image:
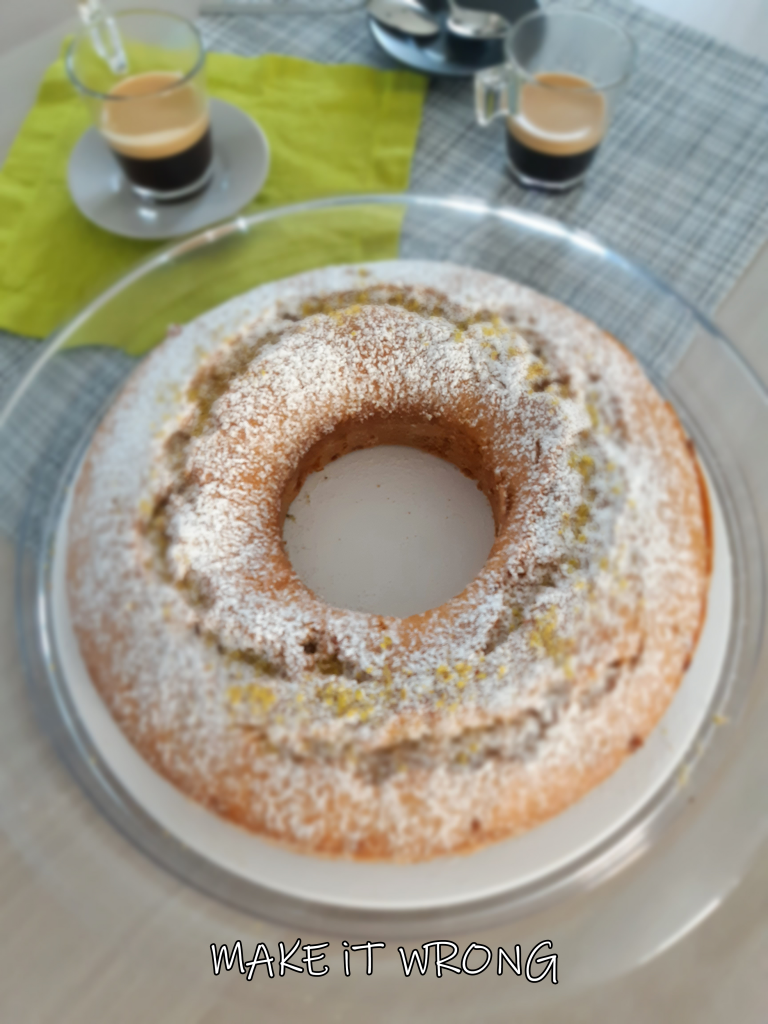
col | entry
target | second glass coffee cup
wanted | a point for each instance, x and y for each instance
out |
(557, 90)
(153, 113)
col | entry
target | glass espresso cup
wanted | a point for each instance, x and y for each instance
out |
(153, 113)
(557, 91)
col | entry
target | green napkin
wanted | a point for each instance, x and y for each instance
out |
(332, 129)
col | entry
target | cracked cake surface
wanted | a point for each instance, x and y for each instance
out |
(345, 733)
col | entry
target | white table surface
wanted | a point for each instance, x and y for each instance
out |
(92, 932)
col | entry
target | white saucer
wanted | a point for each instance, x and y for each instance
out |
(102, 194)
(592, 824)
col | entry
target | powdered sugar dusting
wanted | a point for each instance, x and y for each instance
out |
(594, 587)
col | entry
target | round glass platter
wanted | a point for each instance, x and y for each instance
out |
(694, 833)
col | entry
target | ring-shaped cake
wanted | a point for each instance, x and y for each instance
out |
(345, 733)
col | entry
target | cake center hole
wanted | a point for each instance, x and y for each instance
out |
(388, 530)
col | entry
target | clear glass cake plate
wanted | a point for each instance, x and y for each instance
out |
(688, 812)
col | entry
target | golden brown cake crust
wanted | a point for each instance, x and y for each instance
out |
(343, 733)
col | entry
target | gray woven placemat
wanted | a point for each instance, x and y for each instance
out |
(682, 180)
(680, 184)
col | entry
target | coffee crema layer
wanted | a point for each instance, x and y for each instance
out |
(154, 115)
(559, 114)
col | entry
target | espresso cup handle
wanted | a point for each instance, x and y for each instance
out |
(491, 94)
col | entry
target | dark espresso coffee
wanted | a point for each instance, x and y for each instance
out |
(557, 129)
(160, 134)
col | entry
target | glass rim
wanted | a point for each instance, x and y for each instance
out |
(166, 90)
(544, 15)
